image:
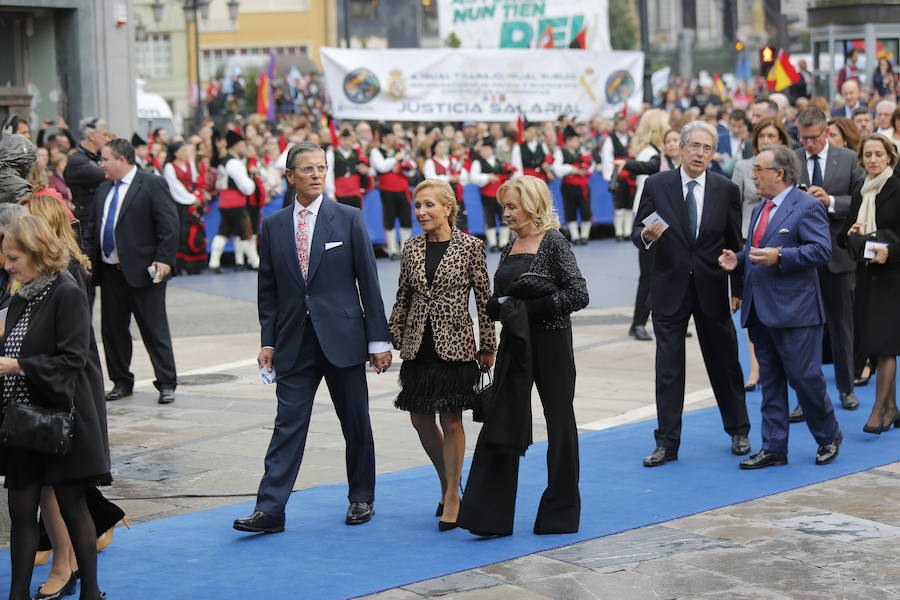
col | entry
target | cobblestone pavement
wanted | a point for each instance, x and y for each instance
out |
(837, 539)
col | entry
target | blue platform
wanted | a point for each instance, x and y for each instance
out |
(199, 555)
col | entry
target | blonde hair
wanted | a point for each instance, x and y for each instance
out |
(51, 210)
(536, 201)
(444, 193)
(31, 235)
(652, 129)
(37, 177)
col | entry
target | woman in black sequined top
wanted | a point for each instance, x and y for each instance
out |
(489, 500)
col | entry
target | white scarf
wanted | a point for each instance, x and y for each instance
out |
(871, 188)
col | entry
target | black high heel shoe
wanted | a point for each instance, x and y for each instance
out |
(440, 510)
(750, 387)
(445, 526)
(67, 590)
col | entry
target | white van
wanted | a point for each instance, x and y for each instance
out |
(154, 112)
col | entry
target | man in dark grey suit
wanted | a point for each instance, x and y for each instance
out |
(321, 315)
(832, 174)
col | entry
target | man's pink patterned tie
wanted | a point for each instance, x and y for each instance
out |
(302, 238)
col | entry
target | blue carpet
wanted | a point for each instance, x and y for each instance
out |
(199, 555)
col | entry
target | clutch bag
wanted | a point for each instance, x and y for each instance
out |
(532, 285)
(483, 397)
(37, 428)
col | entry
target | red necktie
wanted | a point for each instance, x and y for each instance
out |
(762, 224)
(302, 239)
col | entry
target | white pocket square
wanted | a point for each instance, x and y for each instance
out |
(330, 245)
(783, 231)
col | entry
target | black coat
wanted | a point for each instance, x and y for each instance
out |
(677, 257)
(82, 176)
(877, 286)
(146, 231)
(61, 366)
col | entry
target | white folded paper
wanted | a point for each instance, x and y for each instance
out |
(869, 252)
(654, 218)
(266, 375)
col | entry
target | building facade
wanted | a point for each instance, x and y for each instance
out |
(72, 58)
(233, 36)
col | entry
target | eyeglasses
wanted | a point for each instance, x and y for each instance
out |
(757, 168)
(309, 170)
(810, 138)
(697, 147)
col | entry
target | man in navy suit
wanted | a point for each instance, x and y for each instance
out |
(321, 315)
(782, 306)
(135, 227)
(703, 214)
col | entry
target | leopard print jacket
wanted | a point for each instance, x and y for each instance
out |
(554, 259)
(446, 301)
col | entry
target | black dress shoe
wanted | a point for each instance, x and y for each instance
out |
(827, 453)
(797, 415)
(259, 522)
(740, 445)
(639, 332)
(166, 394)
(661, 456)
(763, 459)
(359, 513)
(445, 526)
(119, 391)
(67, 590)
(216, 270)
(849, 401)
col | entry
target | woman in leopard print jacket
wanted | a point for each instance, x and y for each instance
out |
(431, 326)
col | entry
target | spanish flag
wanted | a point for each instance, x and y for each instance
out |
(720, 85)
(782, 74)
(265, 104)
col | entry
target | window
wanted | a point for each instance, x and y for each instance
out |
(11, 48)
(364, 9)
(154, 56)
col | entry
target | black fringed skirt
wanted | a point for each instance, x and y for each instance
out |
(430, 384)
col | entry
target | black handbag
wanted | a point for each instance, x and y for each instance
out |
(483, 398)
(37, 428)
(529, 285)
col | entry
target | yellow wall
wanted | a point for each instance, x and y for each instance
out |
(312, 28)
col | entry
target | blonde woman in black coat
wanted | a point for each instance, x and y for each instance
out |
(46, 362)
(535, 347)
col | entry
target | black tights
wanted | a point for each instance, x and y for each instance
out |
(23, 508)
(884, 411)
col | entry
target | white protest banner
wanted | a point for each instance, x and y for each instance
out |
(526, 23)
(480, 85)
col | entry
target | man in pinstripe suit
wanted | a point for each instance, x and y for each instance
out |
(782, 306)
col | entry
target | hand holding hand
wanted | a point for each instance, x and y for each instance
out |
(735, 304)
(881, 255)
(619, 163)
(485, 361)
(764, 256)
(265, 358)
(728, 260)
(653, 233)
(381, 361)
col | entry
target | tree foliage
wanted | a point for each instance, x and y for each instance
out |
(624, 32)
